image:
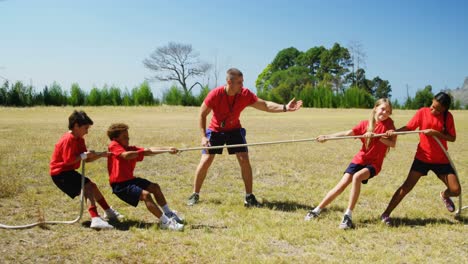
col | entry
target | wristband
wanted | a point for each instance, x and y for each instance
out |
(284, 108)
(83, 156)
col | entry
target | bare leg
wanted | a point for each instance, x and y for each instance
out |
(246, 170)
(337, 190)
(400, 193)
(202, 170)
(452, 183)
(358, 177)
(150, 204)
(90, 193)
(156, 191)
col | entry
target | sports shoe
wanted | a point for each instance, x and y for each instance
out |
(251, 201)
(448, 203)
(98, 223)
(112, 214)
(193, 199)
(173, 215)
(311, 215)
(386, 220)
(346, 223)
(172, 224)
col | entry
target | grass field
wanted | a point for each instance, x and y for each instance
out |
(289, 178)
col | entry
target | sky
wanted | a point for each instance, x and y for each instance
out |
(93, 43)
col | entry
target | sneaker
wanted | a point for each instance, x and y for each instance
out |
(112, 214)
(448, 203)
(193, 199)
(311, 215)
(98, 223)
(251, 201)
(173, 215)
(346, 223)
(386, 220)
(172, 225)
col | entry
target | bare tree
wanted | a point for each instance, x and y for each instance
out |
(176, 62)
(358, 55)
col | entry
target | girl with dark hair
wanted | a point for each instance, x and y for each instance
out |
(433, 121)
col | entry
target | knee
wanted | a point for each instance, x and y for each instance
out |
(455, 191)
(154, 188)
(145, 195)
(90, 186)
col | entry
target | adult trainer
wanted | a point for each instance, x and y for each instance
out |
(227, 102)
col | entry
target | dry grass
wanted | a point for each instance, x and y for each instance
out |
(289, 178)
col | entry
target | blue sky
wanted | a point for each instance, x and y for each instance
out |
(93, 43)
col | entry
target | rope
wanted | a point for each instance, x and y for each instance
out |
(57, 222)
(286, 141)
(460, 208)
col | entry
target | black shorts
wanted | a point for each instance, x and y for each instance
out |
(353, 168)
(438, 169)
(130, 191)
(232, 137)
(69, 182)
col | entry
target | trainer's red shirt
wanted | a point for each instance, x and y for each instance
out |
(66, 150)
(428, 149)
(377, 150)
(226, 108)
(120, 169)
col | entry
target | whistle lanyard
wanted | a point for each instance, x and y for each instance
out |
(231, 107)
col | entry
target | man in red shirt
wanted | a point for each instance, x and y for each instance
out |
(69, 151)
(227, 102)
(130, 189)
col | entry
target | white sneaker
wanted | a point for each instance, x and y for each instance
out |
(173, 215)
(112, 214)
(172, 224)
(98, 223)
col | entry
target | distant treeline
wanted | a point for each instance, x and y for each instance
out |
(19, 95)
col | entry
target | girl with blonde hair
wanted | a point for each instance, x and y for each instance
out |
(366, 164)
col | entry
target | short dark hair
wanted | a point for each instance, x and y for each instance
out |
(233, 73)
(444, 99)
(116, 129)
(80, 118)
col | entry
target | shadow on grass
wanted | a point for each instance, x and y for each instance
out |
(125, 225)
(418, 222)
(288, 206)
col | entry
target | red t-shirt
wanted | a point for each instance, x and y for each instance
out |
(120, 169)
(428, 149)
(377, 150)
(227, 109)
(66, 150)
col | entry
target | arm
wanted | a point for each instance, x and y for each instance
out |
(440, 135)
(133, 154)
(93, 155)
(272, 107)
(389, 141)
(204, 112)
(323, 138)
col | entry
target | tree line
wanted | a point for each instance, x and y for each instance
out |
(320, 77)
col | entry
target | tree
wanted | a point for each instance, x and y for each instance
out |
(423, 97)
(176, 62)
(56, 95)
(77, 96)
(357, 55)
(142, 95)
(4, 93)
(94, 97)
(285, 58)
(382, 88)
